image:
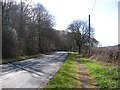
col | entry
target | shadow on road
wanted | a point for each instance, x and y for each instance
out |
(35, 65)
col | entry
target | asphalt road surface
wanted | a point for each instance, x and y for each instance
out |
(31, 73)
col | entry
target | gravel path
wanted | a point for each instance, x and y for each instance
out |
(31, 73)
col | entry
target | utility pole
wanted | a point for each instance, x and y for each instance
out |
(89, 36)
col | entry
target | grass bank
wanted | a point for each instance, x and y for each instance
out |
(105, 75)
(67, 76)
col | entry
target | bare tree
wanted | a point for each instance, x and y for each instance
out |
(44, 22)
(80, 32)
(24, 27)
(9, 35)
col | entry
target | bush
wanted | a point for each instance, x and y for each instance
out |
(106, 54)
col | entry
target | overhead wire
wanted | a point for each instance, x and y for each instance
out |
(93, 7)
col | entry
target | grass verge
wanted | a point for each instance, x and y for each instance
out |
(67, 76)
(105, 75)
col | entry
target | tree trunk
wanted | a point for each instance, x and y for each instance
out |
(79, 49)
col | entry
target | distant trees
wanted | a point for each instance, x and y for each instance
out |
(80, 33)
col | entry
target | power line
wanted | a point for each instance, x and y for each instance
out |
(93, 6)
(89, 25)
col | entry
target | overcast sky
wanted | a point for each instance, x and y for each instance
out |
(104, 18)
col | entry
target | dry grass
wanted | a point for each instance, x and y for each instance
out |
(106, 54)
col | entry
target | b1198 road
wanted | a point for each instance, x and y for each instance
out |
(31, 73)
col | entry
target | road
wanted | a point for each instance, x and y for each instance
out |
(31, 73)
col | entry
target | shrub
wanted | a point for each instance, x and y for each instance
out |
(106, 54)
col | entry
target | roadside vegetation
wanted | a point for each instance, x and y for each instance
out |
(106, 54)
(67, 76)
(106, 75)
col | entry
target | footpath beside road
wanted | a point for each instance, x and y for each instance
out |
(31, 73)
(86, 79)
(74, 74)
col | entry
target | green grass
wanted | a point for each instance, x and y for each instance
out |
(67, 76)
(105, 75)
